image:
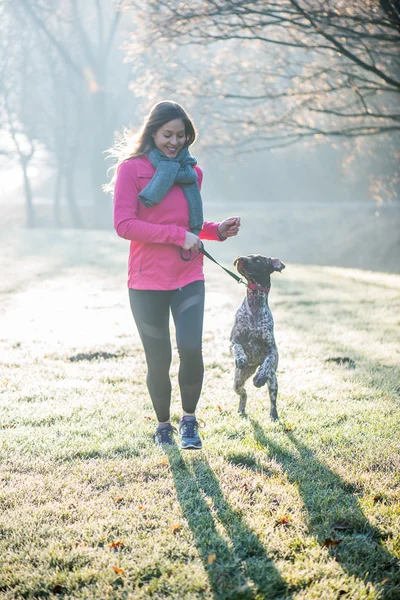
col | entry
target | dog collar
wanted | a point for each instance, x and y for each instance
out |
(259, 288)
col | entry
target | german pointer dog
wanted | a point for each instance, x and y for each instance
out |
(252, 339)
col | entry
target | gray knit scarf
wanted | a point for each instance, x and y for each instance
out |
(169, 171)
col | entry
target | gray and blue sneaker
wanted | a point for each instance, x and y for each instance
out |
(164, 434)
(189, 433)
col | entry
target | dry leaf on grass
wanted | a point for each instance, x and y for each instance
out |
(58, 589)
(118, 570)
(285, 520)
(140, 507)
(211, 558)
(118, 500)
(329, 543)
(175, 527)
(163, 463)
(117, 545)
(377, 498)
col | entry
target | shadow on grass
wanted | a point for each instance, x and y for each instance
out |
(330, 503)
(237, 567)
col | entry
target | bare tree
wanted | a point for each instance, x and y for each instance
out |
(78, 96)
(14, 102)
(291, 69)
(92, 31)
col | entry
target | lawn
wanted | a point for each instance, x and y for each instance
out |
(306, 508)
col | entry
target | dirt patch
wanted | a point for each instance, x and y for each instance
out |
(96, 356)
(342, 360)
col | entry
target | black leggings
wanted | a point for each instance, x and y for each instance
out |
(150, 309)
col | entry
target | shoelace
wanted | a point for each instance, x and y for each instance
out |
(188, 427)
(166, 433)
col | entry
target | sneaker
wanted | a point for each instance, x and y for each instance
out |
(189, 433)
(164, 434)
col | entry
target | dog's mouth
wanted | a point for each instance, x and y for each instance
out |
(240, 264)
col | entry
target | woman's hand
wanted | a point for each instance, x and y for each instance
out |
(229, 227)
(192, 241)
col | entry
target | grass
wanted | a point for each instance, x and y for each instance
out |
(308, 508)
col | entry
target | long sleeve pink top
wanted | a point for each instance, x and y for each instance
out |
(157, 233)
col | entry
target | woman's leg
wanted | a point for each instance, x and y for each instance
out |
(150, 309)
(187, 307)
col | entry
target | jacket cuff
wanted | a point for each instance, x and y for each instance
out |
(209, 231)
(179, 238)
(221, 237)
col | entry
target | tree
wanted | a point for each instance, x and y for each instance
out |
(14, 107)
(77, 93)
(294, 70)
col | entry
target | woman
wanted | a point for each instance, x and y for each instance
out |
(158, 207)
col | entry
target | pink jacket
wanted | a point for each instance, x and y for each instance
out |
(157, 233)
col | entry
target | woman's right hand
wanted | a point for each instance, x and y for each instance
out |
(192, 241)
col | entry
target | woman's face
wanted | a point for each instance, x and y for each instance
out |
(171, 137)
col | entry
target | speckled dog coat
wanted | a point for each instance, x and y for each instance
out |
(252, 339)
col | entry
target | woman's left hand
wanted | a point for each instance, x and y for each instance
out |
(229, 227)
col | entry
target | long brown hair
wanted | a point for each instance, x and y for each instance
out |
(130, 145)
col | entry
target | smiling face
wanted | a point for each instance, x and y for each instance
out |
(170, 137)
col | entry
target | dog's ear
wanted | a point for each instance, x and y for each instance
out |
(235, 261)
(277, 264)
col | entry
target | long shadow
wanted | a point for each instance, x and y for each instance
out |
(239, 568)
(334, 513)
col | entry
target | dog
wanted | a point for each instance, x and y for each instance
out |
(252, 339)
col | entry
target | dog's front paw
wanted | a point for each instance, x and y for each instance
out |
(241, 362)
(259, 380)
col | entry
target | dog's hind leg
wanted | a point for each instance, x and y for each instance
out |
(272, 383)
(241, 376)
(267, 375)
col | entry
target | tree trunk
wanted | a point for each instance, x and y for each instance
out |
(57, 197)
(102, 204)
(102, 139)
(30, 210)
(71, 200)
